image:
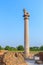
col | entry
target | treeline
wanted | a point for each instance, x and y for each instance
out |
(21, 48)
(36, 48)
(9, 48)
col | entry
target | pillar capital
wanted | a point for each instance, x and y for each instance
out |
(26, 14)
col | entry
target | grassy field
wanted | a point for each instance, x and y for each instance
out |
(23, 51)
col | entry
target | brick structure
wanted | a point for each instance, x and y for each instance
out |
(41, 56)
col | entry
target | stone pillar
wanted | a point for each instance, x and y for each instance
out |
(26, 36)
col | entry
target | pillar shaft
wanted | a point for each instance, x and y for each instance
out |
(26, 38)
(26, 34)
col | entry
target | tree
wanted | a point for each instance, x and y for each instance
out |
(10, 48)
(7, 48)
(41, 48)
(20, 47)
(34, 48)
(0, 48)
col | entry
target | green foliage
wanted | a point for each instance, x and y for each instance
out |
(1, 48)
(10, 48)
(20, 48)
(13, 49)
(34, 48)
(7, 48)
(41, 48)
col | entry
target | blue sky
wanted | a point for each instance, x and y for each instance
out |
(12, 23)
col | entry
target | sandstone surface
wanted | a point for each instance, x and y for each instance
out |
(12, 58)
